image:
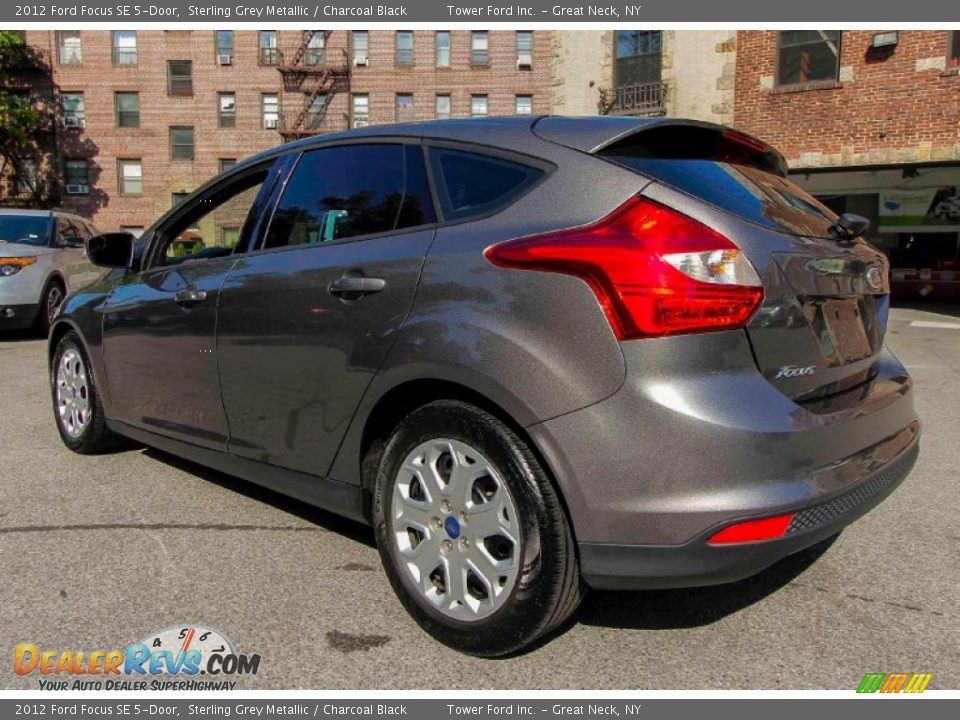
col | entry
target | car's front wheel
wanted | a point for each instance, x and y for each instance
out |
(76, 400)
(52, 299)
(471, 531)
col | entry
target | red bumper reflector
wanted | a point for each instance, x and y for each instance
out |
(753, 530)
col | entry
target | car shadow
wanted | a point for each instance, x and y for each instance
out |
(693, 607)
(328, 521)
(635, 610)
(21, 335)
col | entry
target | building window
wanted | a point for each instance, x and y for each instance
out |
(74, 110)
(126, 106)
(229, 236)
(524, 104)
(270, 110)
(443, 107)
(361, 110)
(227, 163)
(69, 47)
(180, 77)
(225, 47)
(479, 48)
(525, 50)
(77, 173)
(953, 60)
(404, 107)
(316, 112)
(25, 177)
(226, 110)
(361, 47)
(130, 177)
(267, 42)
(403, 54)
(124, 47)
(316, 50)
(478, 106)
(178, 198)
(443, 48)
(808, 56)
(181, 143)
(638, 57)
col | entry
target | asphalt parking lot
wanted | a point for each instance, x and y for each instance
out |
(97, 552)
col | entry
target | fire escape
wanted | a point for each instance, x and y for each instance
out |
(319, 72)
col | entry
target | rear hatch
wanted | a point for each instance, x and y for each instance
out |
(823, 319)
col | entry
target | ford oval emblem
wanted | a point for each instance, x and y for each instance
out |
(874, 278)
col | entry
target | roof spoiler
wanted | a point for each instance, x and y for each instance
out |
(661, 138)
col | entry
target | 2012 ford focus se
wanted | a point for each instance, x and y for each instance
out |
(536, 354)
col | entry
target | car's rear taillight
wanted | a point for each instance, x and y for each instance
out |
(654, 270)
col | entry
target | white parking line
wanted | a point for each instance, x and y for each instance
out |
(935, 324)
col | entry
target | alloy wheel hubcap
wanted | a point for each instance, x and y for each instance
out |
(73, 394)
(54, 298)
(456, 528)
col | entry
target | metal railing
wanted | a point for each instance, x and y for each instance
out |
(639, 99)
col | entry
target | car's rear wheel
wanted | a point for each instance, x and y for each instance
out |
(76, 400)
(471, 531)
(52, 299)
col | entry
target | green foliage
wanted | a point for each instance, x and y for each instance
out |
(22, 125)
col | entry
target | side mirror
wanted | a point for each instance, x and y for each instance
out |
(849, 226)
(72, 242)
(111, 250)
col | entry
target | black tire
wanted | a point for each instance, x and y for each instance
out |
(43, 315)
(548, 588)
(95, 437)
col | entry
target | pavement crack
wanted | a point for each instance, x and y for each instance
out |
(868, 599)
(154, 526)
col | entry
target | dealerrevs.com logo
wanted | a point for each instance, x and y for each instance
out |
(182, 657)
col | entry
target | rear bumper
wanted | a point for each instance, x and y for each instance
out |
(634, 567)
(696, 440)
(17, 317)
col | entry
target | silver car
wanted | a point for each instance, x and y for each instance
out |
(42, 258)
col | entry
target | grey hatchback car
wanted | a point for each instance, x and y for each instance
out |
(535, 354)
(42, 258)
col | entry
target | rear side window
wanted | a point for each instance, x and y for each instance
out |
(740, 183)
(348, 191)
(471, 184)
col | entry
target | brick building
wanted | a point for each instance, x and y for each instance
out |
(870, 123)
(144, 117)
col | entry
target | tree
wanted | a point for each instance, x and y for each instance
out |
(23, 119)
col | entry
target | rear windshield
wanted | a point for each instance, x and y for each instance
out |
(748, 192)
(24, 229)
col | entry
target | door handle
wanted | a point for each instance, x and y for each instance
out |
(352, 287)
(190, 296)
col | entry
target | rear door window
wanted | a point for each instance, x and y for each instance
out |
(349, 191)
(472, 184)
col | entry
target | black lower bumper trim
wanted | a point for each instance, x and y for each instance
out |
(18, 317)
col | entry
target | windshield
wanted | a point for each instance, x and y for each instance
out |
(24, 229)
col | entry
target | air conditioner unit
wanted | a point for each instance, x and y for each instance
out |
(361, 123)
(360, 60)
(78, 189)
(72, 121)
(524, 60)
(225, 59)
(270, 123)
